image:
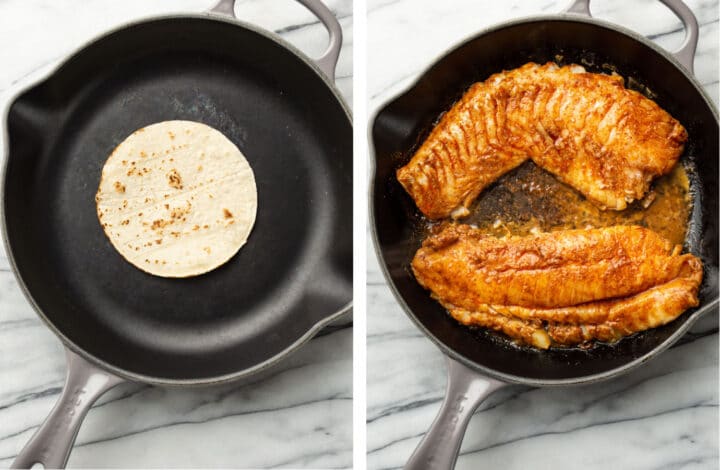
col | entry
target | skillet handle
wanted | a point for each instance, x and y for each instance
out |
(327, 62)
(466, 389)
(686, 52)
(53, 441)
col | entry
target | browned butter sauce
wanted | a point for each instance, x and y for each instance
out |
(530, 200)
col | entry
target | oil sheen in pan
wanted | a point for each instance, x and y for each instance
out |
(530, 200)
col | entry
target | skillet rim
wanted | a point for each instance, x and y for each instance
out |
(711, 305)
(57, 68)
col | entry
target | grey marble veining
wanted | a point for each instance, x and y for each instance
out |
(662, 416)
(299, 417)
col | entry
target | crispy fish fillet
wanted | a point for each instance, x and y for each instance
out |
(594, 134)
(529, 266)
(466, 268)
(607, 320)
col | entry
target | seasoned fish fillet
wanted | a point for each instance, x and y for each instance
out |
(607, 320)
(556, 269)
(541, 289)
(594, 134)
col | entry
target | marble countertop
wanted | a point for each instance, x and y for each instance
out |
(664, 415)
(299, 417)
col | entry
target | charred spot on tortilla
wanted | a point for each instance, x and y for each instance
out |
(174, 179)
(163, 205)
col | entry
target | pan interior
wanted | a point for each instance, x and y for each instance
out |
(404, 123)
(294, 271)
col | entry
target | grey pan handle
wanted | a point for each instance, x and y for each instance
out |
(466, 389)
(686, 53)
(328, 60)
(51, 444)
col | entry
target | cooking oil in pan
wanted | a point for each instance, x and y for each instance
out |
(530, 200)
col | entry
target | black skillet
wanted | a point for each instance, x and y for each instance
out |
(481, 362)
(293, 276)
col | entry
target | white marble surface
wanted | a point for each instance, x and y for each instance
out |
(664, 415)
(300, 417)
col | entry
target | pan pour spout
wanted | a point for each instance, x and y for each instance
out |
(564, 288)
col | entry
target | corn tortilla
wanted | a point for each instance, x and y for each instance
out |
(177, 199)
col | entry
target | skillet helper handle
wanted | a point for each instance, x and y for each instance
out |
(686, 53)
(53, 441)
(327, 62)
(440, 447)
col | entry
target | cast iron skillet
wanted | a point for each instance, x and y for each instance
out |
(481, 362)
(118, 323)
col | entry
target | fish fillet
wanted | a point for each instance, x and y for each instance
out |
(570, 326)
(556, 269)
(605, 140)
(519, 285)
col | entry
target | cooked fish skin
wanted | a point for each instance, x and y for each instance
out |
(466, 268)
(605, 140)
